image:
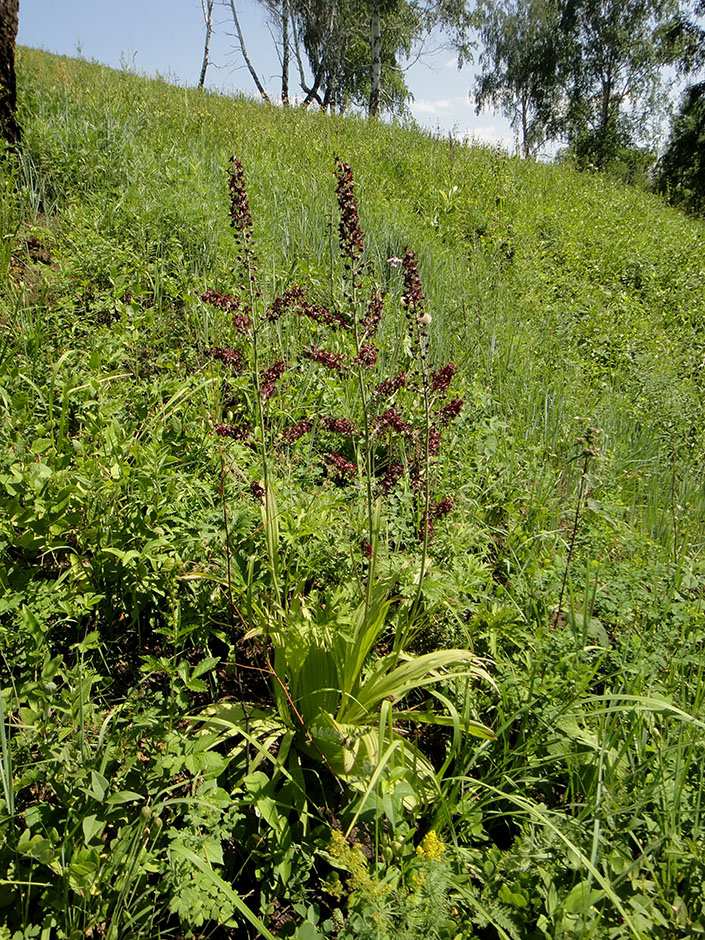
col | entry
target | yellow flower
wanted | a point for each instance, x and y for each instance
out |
(431, 847)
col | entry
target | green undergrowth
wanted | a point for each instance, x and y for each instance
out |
(160, 771)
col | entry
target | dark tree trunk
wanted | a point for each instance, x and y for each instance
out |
(9, 128)
(376, 60)
(285, 53)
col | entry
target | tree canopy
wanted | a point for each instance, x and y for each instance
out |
(589, 72)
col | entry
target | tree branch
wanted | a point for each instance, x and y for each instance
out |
(243, 50)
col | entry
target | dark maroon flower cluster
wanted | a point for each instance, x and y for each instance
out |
(296, 431)
(268, 378)
(321, 314)
(230, 430)
(441, 378)
(390, 386)
(371, 320)
(229, 357)
(240, 215)
(392, 473)
(349, 231)
(413, 295)
(367, 356)
(223, 301)
(293, 296)
(366, 548)
(335, 361)
(340, 466)
(442, 507)
(241, 321)
(449, 411)
(339, 425)
(391, 420)
(257, 491)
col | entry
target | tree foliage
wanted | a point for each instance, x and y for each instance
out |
(616, 52)
(585, 71)
(681, 171)
(519, 66)
(352, 52)
(337, 41)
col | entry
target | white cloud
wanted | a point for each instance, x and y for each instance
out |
(488, 134)
(442, 106)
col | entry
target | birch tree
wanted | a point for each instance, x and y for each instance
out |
(207, 8)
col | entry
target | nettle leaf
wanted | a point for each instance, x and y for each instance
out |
(205, 665)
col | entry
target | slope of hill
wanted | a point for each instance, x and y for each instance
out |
(494, 732)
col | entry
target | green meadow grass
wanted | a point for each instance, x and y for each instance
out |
(568, 302)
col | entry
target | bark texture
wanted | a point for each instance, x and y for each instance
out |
(9, 128)
(376, 70)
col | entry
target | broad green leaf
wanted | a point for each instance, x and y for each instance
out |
(514, 898)
(123, 796)
(581, 898)
(99, 786)
(92, 827)
(204, 666)
(36, 847)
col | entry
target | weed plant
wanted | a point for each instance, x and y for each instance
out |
(184, 728)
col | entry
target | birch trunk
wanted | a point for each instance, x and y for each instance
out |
(376, 69)
(208, 17)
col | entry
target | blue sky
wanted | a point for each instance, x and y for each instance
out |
(166, 36)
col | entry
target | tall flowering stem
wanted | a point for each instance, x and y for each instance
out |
(263, 379)
(351, 242)
(419, 320)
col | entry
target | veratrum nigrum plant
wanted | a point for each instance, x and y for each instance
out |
(338, 662)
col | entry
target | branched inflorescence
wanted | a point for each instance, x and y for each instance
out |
(402, 416)
(236, 432)
(371, 320)
(296, 431)
(412, 299)
(340, 466)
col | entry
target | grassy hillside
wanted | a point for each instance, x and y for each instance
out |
(243, 691)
